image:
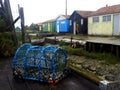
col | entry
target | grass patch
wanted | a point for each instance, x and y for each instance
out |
(109, 58)
(7, 47)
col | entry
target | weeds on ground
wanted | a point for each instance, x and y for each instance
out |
(109, 58)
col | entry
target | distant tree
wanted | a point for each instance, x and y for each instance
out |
(27, 27)
(2, 25)
(17, 28)
(34, 27)
(37, 27)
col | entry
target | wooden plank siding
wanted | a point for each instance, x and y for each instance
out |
(100, 28)
(80, 29)
(49, 26)
(108, 23)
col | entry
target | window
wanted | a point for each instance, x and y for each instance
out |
(106, 18)
(62, 22)
(95, 19)
(81, 21)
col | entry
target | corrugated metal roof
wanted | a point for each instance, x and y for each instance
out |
(107, 10)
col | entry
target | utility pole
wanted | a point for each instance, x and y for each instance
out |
(66, 8)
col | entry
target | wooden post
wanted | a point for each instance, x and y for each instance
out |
(112, 49)
(117, 51)
(1, 4)
(89, 46)
(9, 17)
(10, 21)
(55, 39)
(21, 14)
(71, 40)
(101, 48)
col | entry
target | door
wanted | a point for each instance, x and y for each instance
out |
(58, 28)
(74, 28)
(116, 25)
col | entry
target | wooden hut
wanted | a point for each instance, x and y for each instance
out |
(79, 22)
(40, 26)
(62, 24)
(105, 21)
(49, 26)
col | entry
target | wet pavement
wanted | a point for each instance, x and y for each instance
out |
(72, 82)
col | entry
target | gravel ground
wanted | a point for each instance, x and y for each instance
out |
(104, 70)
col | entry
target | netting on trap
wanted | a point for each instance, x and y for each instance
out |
(19, 58)
(46, 64)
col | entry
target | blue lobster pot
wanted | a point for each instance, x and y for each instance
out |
(45, 64)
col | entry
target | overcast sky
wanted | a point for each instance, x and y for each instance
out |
(36, 11)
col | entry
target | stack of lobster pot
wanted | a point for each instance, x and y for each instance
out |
(45, 64)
